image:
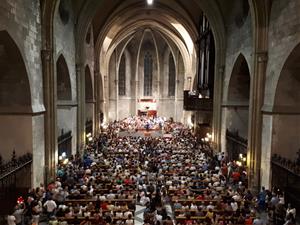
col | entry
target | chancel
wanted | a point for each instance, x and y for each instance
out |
(149, 112)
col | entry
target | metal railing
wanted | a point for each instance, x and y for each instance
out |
(14, 165)
(289, 165)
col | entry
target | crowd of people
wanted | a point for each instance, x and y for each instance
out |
(134, 123)
(176, 179)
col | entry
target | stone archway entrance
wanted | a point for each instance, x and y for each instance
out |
(16, 122)
(64, 97)
(285, 141)
(89, 102)
(238, 110)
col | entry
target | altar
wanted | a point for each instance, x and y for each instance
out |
(147, 107)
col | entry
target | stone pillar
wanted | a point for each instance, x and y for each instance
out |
(105, 96)
(49, 89)
(176, 85)
(97, 102)
(136, 95)
(255, 125)
(81, 106)
(117, 97)
(266, 154)
(217, 110)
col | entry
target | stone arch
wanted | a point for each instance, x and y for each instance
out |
(286, 121)
(89, 102)
(15, 101)
(64, 91)
(122, 76)
(287, 93)
(102, 114)
(16, 114)
(237, 113)
(285, 125)
(239, 84)
(13, 77)
(171, 75)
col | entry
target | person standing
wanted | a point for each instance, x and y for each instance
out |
(11, 220)
(50, 206)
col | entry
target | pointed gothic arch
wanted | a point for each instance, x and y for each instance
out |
(237, 115)
(64, 91)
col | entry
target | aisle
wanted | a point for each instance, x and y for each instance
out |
(139, 215)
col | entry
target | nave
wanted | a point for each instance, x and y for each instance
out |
(173, 179)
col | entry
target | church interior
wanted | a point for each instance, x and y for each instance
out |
(149, 112)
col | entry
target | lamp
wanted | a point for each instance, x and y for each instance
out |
(149, 2)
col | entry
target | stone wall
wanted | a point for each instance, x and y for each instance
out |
(64, 44)
(21, 19)
(284, 36)
(281, 130)
(88, 58)
(15, 133)
(239, 41)
(167, 106)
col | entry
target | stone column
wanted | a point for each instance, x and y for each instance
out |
(266, 146)
(176, 84)
(116, 81)
(255, 125)
(117, 86)
(81, 106)
(136, 95)
(217, 110)
(49, 89)
(97, 102)
(105, 95)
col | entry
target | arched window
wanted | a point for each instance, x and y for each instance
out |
(122, 77)
(172, 76)
(63, 80)
(148, 63)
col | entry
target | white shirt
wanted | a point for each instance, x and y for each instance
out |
(11, 220)
(50, 205)
(234, 206)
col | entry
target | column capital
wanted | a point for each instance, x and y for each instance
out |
(221, 69)
(97, 73)
(46, 54)
(262, 56)
(79, 67)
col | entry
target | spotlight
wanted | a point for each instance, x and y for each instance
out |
(149, 2)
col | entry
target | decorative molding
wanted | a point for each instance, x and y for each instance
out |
(262, 57)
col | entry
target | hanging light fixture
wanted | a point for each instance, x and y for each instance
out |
(149, 2)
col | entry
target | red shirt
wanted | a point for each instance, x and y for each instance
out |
(236, 176)
(200, 197)
(104, 206)
(248, 221)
